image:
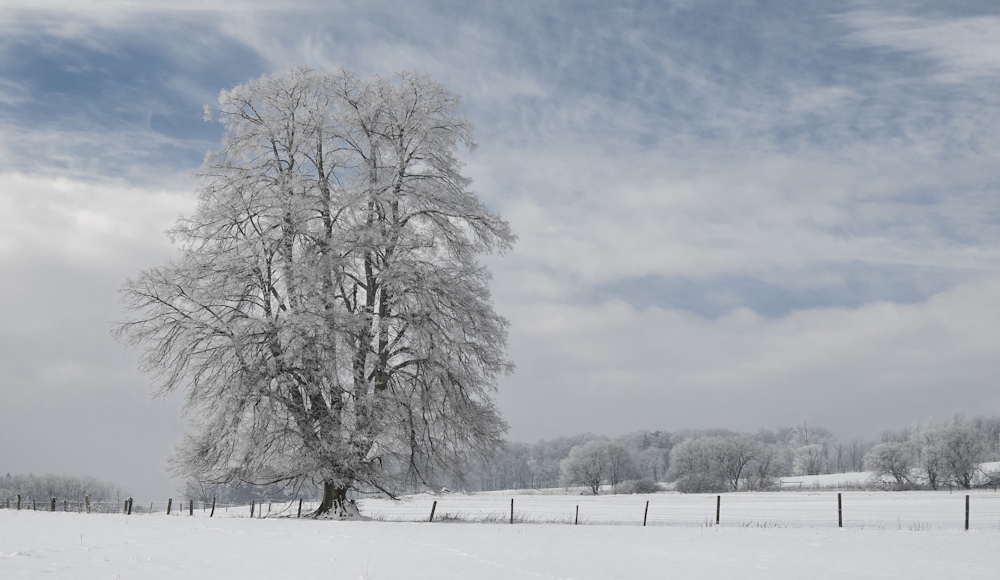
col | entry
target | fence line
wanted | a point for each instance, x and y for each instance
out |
(187, 507)
(881, 510)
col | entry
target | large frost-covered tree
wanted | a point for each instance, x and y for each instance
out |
(327, 318)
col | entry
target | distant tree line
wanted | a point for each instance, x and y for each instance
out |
(948, 454)
(63, 487)
(931, 455)
(716, 460)
(636, 456)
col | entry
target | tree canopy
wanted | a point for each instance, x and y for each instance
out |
(327, 318)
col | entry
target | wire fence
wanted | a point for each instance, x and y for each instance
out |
(873, 510)
(915, 511)
(131, 507)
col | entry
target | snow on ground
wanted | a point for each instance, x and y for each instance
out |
(848, 480)
(861, 509)
(84, 547)
(831, 480)
(762, 535)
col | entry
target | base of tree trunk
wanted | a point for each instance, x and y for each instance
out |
(335, 505)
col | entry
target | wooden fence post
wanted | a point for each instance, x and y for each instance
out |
(300, 508)
(190, 507)
(170, 503)
(840, 512)
(65, 505)
(966, 513)
(129, 506)
(52, 505)
(251, 507)
(511, 510)
(212, 513)
(718, 508)
(33, 507)
(576, 520)
(86, 501)
(125, 507)
(18, 502)
(433, 507)
(645, 514)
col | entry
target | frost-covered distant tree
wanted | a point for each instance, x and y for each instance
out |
(621, 465)
(651, 450)
(805, 434)
(857, 448)
(327, 318)
(810, 459)
(733, 455)
(692, 468)
(596, 462)
(547, 456)
(925, 440)
(718, 463)
(989, 430)
(961, 450)
(652, 462)
(932, 462)
(891, 459)
(509, 469)
(840, 455)
(810, 449)
(586, 465)
(762, 472)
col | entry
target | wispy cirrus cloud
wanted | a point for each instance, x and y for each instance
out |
(962, 49)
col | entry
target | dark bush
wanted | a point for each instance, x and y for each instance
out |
(644, 485)
(699, 484)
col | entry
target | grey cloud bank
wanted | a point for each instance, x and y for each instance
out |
(730, 214)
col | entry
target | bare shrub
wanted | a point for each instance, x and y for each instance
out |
(644, 485)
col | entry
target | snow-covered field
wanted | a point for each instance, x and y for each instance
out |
(766, 535)
(849, 480)
(831, 480)
(82, 547)
(914, 510)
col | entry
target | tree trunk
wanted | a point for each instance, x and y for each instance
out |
(335, 503)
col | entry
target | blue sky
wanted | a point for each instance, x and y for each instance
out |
(735, 214)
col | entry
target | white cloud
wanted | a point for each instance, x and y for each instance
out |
(65, 247)
(78, 151)
(86, 224)
(12, 93)
(966, 48)
(586, 216)
(662, 368)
